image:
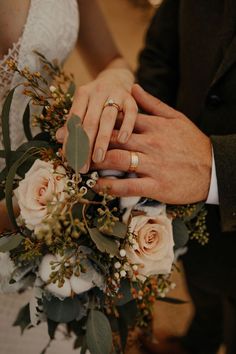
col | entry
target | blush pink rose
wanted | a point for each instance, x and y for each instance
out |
(153, 250)
(42, 185)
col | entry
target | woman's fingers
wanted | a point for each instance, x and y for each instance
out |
(130, 110)
(126, 187)
(80, 103)
(79, 108)
(121, 160)
(106, 126)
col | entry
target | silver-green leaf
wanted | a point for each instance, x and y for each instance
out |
(9, 243)
(103, 243)
(98, 334)
(77, 145)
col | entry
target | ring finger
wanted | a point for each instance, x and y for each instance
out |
(107, 123)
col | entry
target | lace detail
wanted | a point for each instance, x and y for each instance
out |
(6, 75)
(52, 29)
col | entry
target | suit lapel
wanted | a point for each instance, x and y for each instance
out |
(227, 62)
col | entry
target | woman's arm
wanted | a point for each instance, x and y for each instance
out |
(113, 82)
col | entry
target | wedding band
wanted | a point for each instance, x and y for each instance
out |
(111, 103)
(134, 161)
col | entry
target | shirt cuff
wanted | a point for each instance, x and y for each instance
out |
(213, 195)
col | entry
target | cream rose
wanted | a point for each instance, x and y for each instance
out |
(77, 284)
(153, 250)
(41, 185)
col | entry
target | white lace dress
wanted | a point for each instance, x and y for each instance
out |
(51, 28)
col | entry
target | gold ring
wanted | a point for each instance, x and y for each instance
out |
(134, 161)
(111, 103)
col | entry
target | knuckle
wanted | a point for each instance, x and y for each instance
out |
(82, 90)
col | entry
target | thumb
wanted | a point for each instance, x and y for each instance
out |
(152, 104)
(61, 134)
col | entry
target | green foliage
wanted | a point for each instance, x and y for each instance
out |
(62, 311)
(119, 230)
(23, 318)
(103, 243)
(77, 145)
(125, 294)
(98, 334)
(26, 123)
(52, 327)
(6, 125)
(180, 232)
(9, 243)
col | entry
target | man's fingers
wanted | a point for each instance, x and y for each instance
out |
(152, 104)
(124, 187)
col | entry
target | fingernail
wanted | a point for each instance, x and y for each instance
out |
(85, 168)
(123, 137)
(98, 155)
(60, 135)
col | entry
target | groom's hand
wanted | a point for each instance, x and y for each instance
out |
(174, 156)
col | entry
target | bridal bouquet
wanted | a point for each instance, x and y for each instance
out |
(96, 263)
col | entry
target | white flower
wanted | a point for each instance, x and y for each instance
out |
(154, 254)
(41, 185)
(86, 281)
(77, 284)
(128, 203)
(7, 268)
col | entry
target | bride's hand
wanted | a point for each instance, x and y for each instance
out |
(91, 104)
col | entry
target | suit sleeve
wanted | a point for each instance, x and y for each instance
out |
(158, 71)
(225, 161)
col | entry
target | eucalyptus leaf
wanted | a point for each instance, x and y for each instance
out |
(9, 243)
(103, 243)
(26, 123)
(98, 334)
(84, 346)
(123, 330)
(23, 318)
(180, 233)
(52, 327)
(128, 312)
(62, 311)
(6, 125)
(78, 342)
(119, 229)
(77, 145)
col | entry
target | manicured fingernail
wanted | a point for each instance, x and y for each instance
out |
(85, 168)
(98, 155)
(123, 137)
(60, 134)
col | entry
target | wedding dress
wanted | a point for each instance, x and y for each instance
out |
(51, 28)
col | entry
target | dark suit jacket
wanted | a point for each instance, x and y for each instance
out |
(189, 61)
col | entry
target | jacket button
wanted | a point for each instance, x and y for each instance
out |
(214, 100)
